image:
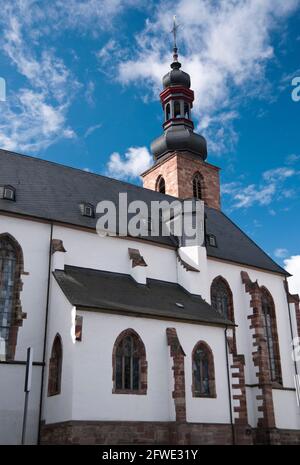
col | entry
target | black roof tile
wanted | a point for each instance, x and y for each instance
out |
(106, 291)
(52, 191)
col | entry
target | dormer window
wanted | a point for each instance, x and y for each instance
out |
(211, 240)
(8, 193)
(87, 210)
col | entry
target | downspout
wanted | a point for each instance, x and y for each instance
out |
(290, 318)
(45, 334)
(229, 388)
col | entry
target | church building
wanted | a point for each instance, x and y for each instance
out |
(142, 339)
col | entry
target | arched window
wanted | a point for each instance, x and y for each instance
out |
(203, 371)
(55, 367)
(129, 364)
(186, 110)
(270, 330)
(161, 185)
(221, 298)
(11, 267)
(197, 186)
(177, 113)
(168, 112)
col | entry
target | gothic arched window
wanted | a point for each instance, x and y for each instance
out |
(203, 371)
(197, 186)
(270, 330)
(161, 185)
(129, 364)
(11, 267)
(55, 367)
(221, 298)
(177, 112)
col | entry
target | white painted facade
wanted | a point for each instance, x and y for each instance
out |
(86, 391)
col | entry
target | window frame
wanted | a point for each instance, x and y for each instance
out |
(142, 365)
(161, 182)
(57, 342)
(271, 332)
(198, 187)
(17, 316)
(202, 345)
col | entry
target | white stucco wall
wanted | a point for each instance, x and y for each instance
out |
(33, 238)
(12, 404)
(87, 367)
(62, 322)
(88, 250)
(92, 374)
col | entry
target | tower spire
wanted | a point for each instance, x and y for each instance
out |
(175, 63)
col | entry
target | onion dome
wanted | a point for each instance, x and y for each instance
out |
(176, 77)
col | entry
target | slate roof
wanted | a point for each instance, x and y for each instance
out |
(52, 191)
(115, 292)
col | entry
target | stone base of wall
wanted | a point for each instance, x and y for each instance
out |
(276, 436)
(160, 433)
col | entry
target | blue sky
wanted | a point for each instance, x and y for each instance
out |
(83, 79)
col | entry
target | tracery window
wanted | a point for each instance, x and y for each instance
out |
(197, 186)
(270, 330)
(203, 371)
(129, 364)
(11, 267)
(221, 298)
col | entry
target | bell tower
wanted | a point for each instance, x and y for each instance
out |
(180, 168)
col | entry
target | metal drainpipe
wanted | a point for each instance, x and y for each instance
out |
(290, 318)
(229, 387)
(45, 333)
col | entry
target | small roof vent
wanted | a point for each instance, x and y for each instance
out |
(211, 240)
(8, 193)
(87, 209)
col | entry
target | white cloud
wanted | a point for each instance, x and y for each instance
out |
(92, 129)
(225, 46)
(281, 253)
(135, 161)
(293, 158)
(89, 93)
(27, 27)
(271, 188)
(278, 174)
(292, 265)
(34, 116)
(251, 194)
(90, 16)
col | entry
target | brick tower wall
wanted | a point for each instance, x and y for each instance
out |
(178, 170)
